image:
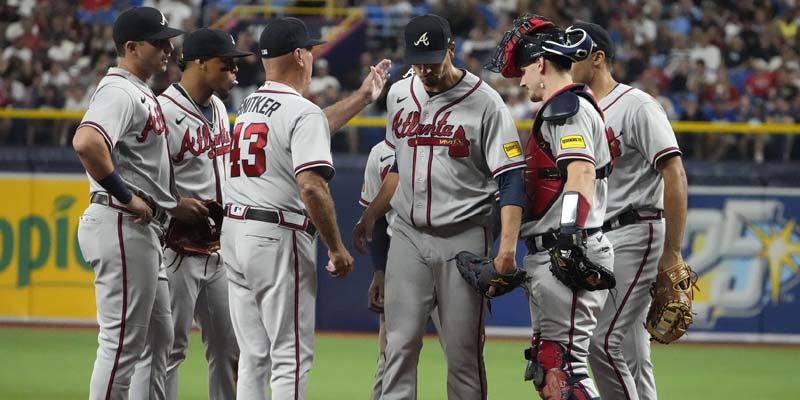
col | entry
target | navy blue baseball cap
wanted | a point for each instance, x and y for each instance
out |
(142, 23)
(283, 35)
(427, 39)
(208, 43)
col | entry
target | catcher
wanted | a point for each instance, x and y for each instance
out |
(568, 160)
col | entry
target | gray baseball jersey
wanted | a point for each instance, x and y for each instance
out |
(449, 133)
(194, 141)
(646, 136)
(623, 369)
(198, 285)
(580, 137)
(379, 162)
(132, 297)
(277, 135)
(126, 112)
(271, 267)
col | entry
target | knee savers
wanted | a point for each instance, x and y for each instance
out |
(547, 366)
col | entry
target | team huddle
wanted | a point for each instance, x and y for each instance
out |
(191, 221)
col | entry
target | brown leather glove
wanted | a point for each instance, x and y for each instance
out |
(197, 238)
(670, 313)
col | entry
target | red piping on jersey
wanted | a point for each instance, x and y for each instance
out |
(191, 113)
(481, 364)
(364, 202)
(576, 155)
(310, 164)
(173, 189)
(615, 100)
(458, 100)
(124, 306)
(413, 174)
(296, 317)
(430, 187)
(414, 163)
(222, 132)
(276, 91)
(507, 167)
(100, 129)
(413, 95)
(119, 75)
(481, 329)
(665, 152)
(430, 147)
(619, 311)
(571, 330)
(388, 144)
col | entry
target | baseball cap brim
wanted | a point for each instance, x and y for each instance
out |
(236, 53)
(426, 57)
(165, 33)
(314, 42)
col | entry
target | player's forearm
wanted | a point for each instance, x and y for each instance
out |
(342, 111)
(675, 205)
(381, 204)
(510, 220)
(93, 152)
(581, 178)
(319, 204)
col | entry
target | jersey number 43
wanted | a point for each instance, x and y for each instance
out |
(255, 138)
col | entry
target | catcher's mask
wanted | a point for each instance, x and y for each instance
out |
(533, 36)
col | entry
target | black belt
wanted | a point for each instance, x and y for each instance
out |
(630, 217)
(273, 217)
(159, 214)
(547, 241)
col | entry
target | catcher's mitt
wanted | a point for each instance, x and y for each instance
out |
(670, 313)
(198, 238)
(570, 266)
(479, 272)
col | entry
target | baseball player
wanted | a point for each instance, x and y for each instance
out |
(122, 144)
(200, 150)
(379, 163)
(277, 201)
(455, 144)
(565, 184)
(644, 220)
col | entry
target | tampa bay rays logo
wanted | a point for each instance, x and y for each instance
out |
(422, 39)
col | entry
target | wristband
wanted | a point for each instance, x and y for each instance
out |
(574, 210)
(114, 185)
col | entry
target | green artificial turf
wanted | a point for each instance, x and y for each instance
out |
(56, 364)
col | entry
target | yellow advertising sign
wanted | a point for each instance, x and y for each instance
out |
(42, 272)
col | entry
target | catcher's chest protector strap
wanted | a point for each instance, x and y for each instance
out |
(544, 181)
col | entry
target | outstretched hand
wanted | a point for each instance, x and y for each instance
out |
(373, 84)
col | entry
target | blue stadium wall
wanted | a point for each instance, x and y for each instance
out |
(742, 241)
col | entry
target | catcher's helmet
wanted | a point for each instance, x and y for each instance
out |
(534, 36)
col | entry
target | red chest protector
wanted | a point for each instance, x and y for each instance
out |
(544, 181)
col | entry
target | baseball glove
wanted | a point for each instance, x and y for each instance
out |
(197, 238)
(670, 313)
(479, 272)
(570, 266)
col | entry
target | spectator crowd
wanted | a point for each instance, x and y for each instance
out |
(716, 61)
